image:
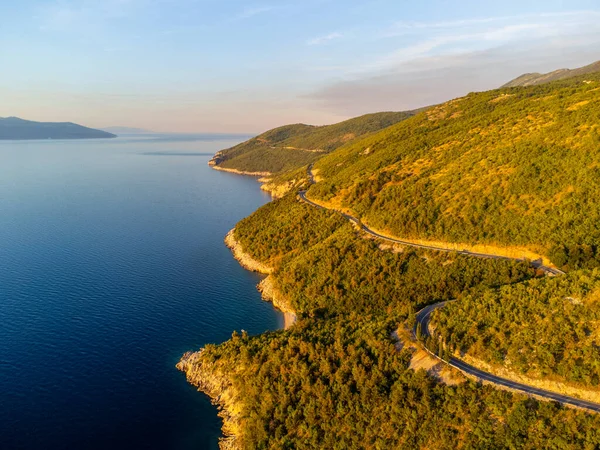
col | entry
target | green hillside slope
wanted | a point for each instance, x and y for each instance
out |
(341, 385)
(545, 328)
(338, 378)
(510, 167)
(532, 79)
(293, 146)
(321, 263)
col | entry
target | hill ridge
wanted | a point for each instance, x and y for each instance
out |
(470, 170)
(15, 128)
(536, 78)
(296, 145)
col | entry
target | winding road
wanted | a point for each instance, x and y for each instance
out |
(536, 264)
(423, 316)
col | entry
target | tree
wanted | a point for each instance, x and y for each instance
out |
(419, 332)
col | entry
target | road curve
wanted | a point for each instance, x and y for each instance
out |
(423, 318)
(424, 315)
(536, 264)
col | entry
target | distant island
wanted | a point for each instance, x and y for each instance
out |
(13, 128)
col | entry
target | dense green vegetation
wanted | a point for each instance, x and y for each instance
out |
(510, 167)
(293, 146)
(336, 376)
(347, 273)
(335, 380)
(517, 166)
(340, 384)
(261, 158)
(545, 328)
(285, 227)
(323, 266)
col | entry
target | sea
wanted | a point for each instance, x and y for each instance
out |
(112, 265)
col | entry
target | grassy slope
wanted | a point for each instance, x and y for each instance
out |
(292, 146)
(517, 166)
(321, 264)
(341, 385)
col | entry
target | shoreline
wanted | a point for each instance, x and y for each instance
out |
(266, 287)
(264, 178)
(240, 172)
(207, 377)
(209, 380)
(243, 258)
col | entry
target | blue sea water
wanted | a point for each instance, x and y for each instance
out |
(112, 264)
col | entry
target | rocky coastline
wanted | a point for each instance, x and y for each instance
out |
(245, 260)
(218, 159)
(267, 286)
(208, 378)
(207, 375)
(240, 172)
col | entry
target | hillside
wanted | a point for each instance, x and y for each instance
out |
(342, 385)
(517, 168)
(338, 378)
(13, 128)
(293, 146)
(532, 79)
(545, 329)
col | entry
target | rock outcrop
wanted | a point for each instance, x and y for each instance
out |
(245, 260)
(209, 379)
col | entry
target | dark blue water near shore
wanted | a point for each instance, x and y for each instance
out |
(112, 265)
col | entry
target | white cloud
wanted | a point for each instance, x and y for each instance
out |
(465, 36)
(324, 39)
(403, 28)
(438, 61)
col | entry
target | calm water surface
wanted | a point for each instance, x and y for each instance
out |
(112, 265)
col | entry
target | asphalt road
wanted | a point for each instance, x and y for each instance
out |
(424, 316)
(537, 264)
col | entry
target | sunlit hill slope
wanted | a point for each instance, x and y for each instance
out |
(293, 146)
(509, 167)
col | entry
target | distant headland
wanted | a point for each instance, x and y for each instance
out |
(13, 128)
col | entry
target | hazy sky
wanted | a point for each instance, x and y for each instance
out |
(233, 65)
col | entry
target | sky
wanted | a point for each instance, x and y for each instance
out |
(248, 66)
